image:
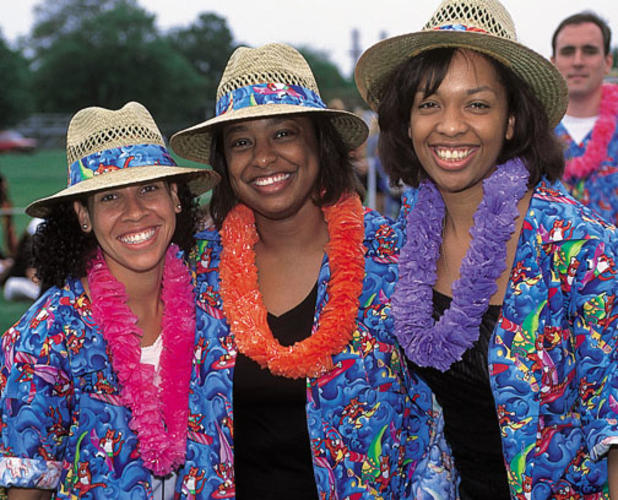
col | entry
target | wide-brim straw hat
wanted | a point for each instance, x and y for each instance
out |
(263, 82)
(115, 148)
(481, 25)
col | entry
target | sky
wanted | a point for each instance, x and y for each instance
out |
(327, 25)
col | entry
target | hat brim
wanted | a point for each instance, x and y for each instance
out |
(194, 143)
(377, 64)
(199, 180)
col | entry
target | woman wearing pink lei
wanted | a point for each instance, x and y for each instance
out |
(94, 377)
(505, 299)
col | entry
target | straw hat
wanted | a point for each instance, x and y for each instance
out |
(267, 81)
(481, 25)
(113, 148)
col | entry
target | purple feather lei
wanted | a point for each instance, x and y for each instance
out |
(439, 344)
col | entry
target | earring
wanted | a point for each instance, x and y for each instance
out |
(179, 206)
(84, 226)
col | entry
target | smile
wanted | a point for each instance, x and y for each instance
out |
(452, 154)
(271, 179)
(137, 238)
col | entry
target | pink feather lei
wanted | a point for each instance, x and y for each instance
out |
(159, 414)
(596, 150)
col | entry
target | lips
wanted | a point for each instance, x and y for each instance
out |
(264, 181)
(138, 237)
(450, 154)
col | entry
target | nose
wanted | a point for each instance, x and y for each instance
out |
(578, 57)
(264, 154)
(133, 207)
(452, 122)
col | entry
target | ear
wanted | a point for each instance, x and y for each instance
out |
(510, 128)
(175, 199)
(609, 62)
(83, 217)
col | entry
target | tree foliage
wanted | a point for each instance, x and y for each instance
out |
(111, 57)
(108, 52)
(207, 44)
(16, 97)
(331, 83)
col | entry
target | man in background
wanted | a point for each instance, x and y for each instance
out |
(581, 52)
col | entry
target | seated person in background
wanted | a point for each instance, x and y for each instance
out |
(20, 282)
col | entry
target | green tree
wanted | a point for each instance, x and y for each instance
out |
(15, 76)
(111, 57)
(207, 44)
(331, 83)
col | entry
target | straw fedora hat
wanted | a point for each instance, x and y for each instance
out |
(113, 148)
(271, 80)
(481, 25)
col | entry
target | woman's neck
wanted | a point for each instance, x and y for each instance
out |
(143, 298)
(301, 232)
(288, 257)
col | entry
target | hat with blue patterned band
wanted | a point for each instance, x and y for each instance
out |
(263, 82)
(114, 148)
(481, 25)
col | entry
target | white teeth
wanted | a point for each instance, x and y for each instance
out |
(267, 181)
(135, 238)
(452, 154)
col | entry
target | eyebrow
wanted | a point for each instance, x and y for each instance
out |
(482, 88)
(585, 46)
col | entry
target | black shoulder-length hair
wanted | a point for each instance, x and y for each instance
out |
(336, 176)
(62, 250)
(533, 139)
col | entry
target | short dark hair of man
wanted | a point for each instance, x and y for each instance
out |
(581, 18)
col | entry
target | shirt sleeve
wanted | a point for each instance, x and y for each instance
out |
(594, 321)
(36, 396)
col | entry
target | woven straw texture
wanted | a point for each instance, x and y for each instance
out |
(376, 66)
(272, 63)
(93, 130)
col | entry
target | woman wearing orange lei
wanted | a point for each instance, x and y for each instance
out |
(300, 391)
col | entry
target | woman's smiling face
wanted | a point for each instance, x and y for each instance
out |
(133, 225)
(272, 163)
(459, 131)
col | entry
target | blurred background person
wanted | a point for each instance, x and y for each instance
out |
(20, 282)
(581, 47)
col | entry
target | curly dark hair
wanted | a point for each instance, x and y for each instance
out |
(61, 249)
(337, 175)
(533, 139)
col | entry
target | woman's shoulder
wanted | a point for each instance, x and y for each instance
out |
(54, 306)
(556, 216)
(383, 237)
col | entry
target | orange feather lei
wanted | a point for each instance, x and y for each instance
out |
(244, 308)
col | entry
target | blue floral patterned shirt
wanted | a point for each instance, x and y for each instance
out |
(553, 361)
(375, 431)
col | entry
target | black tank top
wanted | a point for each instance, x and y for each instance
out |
(471, 423)
(272, 455)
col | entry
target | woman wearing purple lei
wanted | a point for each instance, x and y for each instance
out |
(507, 284)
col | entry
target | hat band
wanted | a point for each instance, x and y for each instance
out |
(268, 93)
(109, 160)
(459, 27)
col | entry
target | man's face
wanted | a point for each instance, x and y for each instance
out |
(580, 58)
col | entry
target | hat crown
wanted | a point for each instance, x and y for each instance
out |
(271, 63)
(488, 16)
(96, 129)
